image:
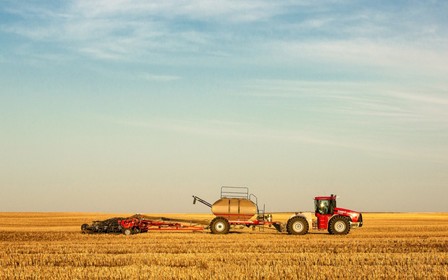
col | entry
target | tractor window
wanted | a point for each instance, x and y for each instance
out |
(323, 206)
(332, 205)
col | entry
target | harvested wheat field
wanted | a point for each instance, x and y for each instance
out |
(50, 246)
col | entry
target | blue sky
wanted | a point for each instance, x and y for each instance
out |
(133, 106)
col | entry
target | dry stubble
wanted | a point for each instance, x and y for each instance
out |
(50, 246)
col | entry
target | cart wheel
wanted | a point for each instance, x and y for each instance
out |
(127, 231)
(219, 225)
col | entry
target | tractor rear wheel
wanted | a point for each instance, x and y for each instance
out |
(297, 225)
(339, 225)
(219, 225)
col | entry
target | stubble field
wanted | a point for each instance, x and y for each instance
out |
(51, 246)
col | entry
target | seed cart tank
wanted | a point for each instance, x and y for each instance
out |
(234, 208)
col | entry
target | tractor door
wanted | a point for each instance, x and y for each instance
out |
(324, 209)
(322, 221)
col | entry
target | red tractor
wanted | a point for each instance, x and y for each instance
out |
(329, 217)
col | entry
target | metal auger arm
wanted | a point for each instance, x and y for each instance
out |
(195, 198)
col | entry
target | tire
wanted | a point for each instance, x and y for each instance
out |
(339, 225)
(84, 228)
(127, 231)
(297, 225)
(219, 225)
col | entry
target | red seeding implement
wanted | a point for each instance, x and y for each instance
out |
(141, 223)
(237, 208)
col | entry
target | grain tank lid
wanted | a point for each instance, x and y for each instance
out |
(234, 192)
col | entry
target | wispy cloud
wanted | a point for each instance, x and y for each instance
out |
(251, 132)
(159, 78)
(130, 30)
(431, 97)
(392, 58)
(228, 129)
(200, 9)
(365, 102)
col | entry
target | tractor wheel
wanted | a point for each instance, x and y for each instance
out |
(219, 225)
(339, 225)
(127, 231)
(84, 228)
(297, 225)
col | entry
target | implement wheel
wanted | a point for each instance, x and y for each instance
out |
(219, 225)
(127, 231)
(339, 225)
(297, 225)
(84, 228)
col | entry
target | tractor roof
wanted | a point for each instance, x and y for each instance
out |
(332, 197)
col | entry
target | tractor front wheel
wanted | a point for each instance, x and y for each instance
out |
(219, 225)
(339, 225)
(297, 225)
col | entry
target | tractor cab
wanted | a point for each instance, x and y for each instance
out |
(324, 205)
